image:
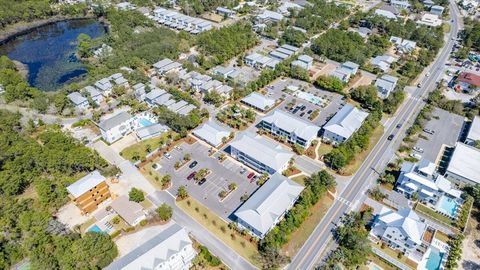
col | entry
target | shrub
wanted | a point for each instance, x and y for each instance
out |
(136, 195)
(164, 212)
(143, 222)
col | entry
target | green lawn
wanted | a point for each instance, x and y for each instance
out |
(300, 179)
(140, 150)
(219, 227)
(351, 168)
(394, 254)
(436, 216)
(324, 149)
(152, 176)
(299, 236)
(442, 236)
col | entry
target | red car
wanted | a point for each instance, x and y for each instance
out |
(190, 176)
(251, 175)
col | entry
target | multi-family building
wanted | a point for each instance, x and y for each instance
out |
(212, 133)
(105, 86)
(258, 101)
(294, 130)
(259, 153)
(171, 249)
(116, 127)
(89, 191)
(463, 168)
(345, 122)
(268, 205)
(401, 230)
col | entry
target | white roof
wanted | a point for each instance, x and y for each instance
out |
(160, 64)
(85, 183)
(446, 186)
(269, 202)
(465, 162)
(291, 124)
(268, 14)
(155, 251)
(474, 132)
(155, 93)
(421, 180)
(212, 132)
(407, 221)
(263, 150)
(92, 91)
(151, 130)
(426, 167)
(258, 101)
(305, 58)
(346, 121)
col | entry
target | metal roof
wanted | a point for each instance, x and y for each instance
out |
(76, 98)
(212, 133)
(85, 183)
(115, 120)
(465, 162)
(291, 124)
(258, 101)
(346, 121)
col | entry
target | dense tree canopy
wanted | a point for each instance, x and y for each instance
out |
(319, 16)
(293, 37)
(44, 160)
(219, 45)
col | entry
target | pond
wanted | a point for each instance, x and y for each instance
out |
(49, 52)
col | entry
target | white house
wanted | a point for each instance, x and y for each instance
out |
(437, 10)
(286, 7)
(345, 71)
(385, 85)
(225, 12)
(383, 62)
(345, 122)
(212, 133)
(295, 130)
(400, 4)
(96, 96)
(116, 127)
(268, 205)
(259, 153)
(474, 132)
(171, 249)
(430, 19)
(387, 11)
(403, 45)
(118, 79)
(80, 102)
(139, 91)
(401, 230)
(105, 86)
(269, 16)
(304, 61)
(430, 188)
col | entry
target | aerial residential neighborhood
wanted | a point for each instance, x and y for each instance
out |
(286, 134)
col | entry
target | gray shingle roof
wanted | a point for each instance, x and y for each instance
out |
(269, 202)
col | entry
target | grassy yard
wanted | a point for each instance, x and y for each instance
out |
(300, 179)
(394, 254)
(298, 238)
(152, 176)
(442, 236)
(436, 216)
(324, 149)
(219, 227)
(380, 262)
(357, 162)
(87, 224)
(140, 150)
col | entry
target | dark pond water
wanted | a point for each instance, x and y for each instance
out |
(49, 52)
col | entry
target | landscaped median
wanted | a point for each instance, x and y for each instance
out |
(140, 150)
(244, 245)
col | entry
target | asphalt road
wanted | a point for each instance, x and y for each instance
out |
(309, 254)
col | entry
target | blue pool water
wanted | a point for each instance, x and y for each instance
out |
(375, 267)
(145, 122)
(448, 206)
(96, 229)
(434, 260)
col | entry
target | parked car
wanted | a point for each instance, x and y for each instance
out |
(193, 164)
(303, 108)
(167, 155)
(429, 131)
(251, 175)
(191, 175)
(302, 114)
(178, 148)
(419, 85)
(390, 137)
(201, 182)
(415, 155)
(417, 149)
(309, 111)
(243, 170)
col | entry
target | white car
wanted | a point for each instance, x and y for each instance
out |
(167, 155)
(415, 155)
(417, 149)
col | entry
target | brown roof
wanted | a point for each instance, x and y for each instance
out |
(469, 78)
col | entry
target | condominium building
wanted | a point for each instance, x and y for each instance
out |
(89, 191)
(342, 126)
(295, 130)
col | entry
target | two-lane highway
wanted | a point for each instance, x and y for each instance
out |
(309, 254)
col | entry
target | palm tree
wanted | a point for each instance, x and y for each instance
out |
(182, 193)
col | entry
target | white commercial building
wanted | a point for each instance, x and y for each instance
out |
(464, 166)
(171, 249)
(474, 132)
(259, 153)
(295, 130)
(213, 133)
(268, 205)
(345, 122)
(258, 101)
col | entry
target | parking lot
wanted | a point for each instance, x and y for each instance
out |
(331, 102)
(222, 174)
(446, 129)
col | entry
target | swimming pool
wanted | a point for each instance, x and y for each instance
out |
(448, 206)
(309, 97)
(434, 260)
(96, 229)
(145, 122)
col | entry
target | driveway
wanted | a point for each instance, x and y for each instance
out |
(222, 174)
(130, 176)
